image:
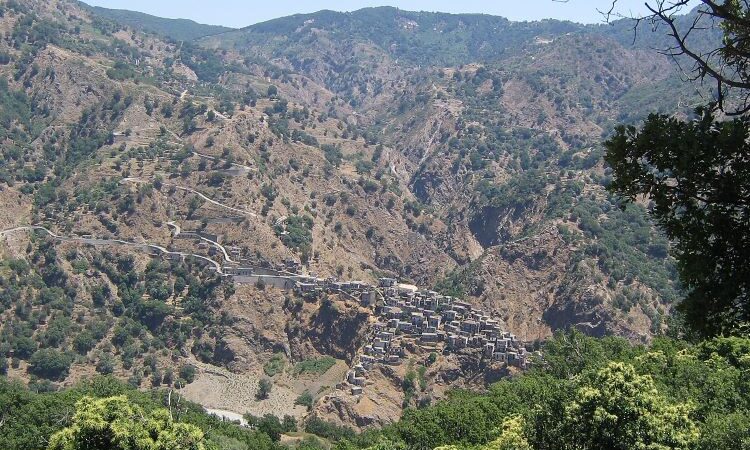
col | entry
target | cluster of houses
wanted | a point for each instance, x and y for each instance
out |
(425, 318)
(432, 321)
(404, 314)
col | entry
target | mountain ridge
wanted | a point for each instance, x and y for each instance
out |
(178, 29)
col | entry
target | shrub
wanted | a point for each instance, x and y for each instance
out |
(49, 363)
(320, 427)
(84, 342)
(187, 373)
(305, 399)
(274, 365)
(264, 389)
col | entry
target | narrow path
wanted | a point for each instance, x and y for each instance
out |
(219, 246)
(199, 194)
(177, 229)
(241, 166)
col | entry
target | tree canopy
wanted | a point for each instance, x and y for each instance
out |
(697, 176)
(695, 172)
(113, 423)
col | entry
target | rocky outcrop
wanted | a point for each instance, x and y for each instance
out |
(339, 329)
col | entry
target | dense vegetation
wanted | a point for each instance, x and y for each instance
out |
(128, 325)
(439, 39)
(584, 393)
(704, 210)
(106, 414)
(696, 172)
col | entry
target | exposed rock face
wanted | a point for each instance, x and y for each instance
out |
(383, 396)
(339, 329)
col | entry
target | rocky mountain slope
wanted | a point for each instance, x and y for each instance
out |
(455, 152)
(495, 128)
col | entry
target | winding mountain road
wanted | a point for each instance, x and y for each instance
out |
(97, 241)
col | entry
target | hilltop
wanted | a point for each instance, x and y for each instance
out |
(177, 29)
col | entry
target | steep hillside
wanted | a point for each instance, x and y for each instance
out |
(415, 37)
(460, 153)
(499, 147)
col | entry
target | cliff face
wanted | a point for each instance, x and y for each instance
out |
(269, 320)
(338, 329)
(422, 378)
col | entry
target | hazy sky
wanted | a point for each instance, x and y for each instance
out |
(239, 13)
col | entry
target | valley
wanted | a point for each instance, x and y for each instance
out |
(362, 212)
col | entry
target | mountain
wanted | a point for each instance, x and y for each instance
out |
(498, 138)
(177, 29)
(415, 37)
(459, 153)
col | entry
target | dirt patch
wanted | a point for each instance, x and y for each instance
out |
(218, 389)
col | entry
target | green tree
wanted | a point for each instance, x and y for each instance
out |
(187, 372)
(264, 389)
(24, 347)
(50, 363)
(697, 175)
(289, 424)
(83, 342)
(615, 408)
(268, 424)
(113, 423)
(305, 399)
(511, 436)
(726, 431)
(387, 444)
(106, 364)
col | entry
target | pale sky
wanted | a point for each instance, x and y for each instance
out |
(240, 13)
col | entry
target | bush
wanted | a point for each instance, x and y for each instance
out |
(320, 427)
(49, 363)
(106, 364)
(24, 347)
(289, 424)
(264, 389)
(84, 342)
(268, 424)
(187, 373)
(274, 365)
(298, 232)
(332, 154)
(121, 71)
(305, 399)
